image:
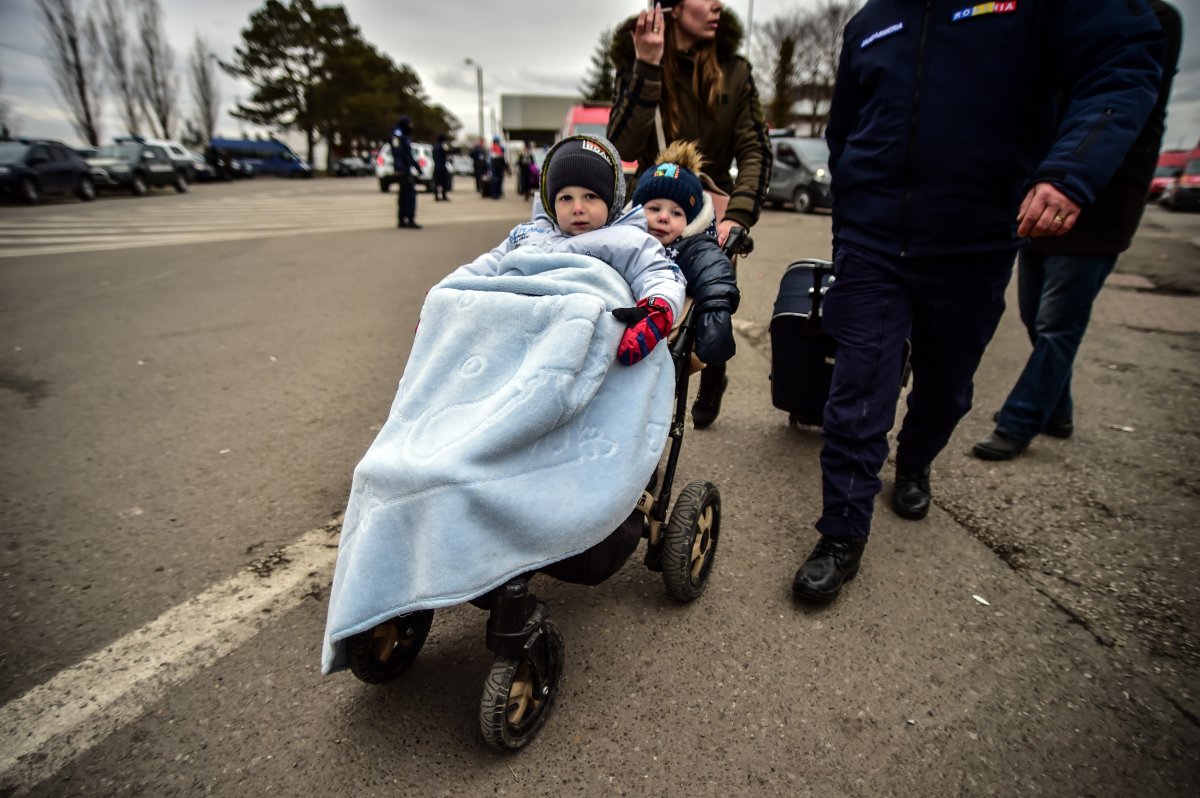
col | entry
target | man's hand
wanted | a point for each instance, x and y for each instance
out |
(1046, 211)
(647, 324)
(648, 36)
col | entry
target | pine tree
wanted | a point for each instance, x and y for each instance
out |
(598, 85)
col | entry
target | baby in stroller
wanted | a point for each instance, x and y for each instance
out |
(510, 395)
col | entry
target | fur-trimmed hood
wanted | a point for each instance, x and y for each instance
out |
(729, 39)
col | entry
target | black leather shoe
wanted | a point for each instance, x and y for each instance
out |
(998, 446)
(832, 563)
(910, 497)
(1059, 429)
(707, 406)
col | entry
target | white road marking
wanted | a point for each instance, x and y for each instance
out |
(57, 721)
(163, 223)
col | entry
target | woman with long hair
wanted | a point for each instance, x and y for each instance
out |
(679, 77)
(680, 59)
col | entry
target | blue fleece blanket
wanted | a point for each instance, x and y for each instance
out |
(515, 440)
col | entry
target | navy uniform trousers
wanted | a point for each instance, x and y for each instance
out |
(950, 306)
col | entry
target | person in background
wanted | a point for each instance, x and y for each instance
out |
(677, 65)
(441, 171)
(1058, 279)
(405, 165)
(954, 133)
(499, 168)
(479, 162)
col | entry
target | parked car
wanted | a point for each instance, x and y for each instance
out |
(267, 157)
(32, 168)
(461, 164)
(386, 173)
(1168, 169)
(800, 174)
(225, 167)
(351, 167)
(1184, 192)
(137, 167)
(1164, 176)
(179, 154)
(201, 171)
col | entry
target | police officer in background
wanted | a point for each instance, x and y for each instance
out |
(405, 165)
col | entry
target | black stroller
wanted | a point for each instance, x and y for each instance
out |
(525, 675)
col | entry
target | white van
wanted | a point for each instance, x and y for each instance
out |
(386, 172)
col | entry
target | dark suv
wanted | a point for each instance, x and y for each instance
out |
(136, 166)
(30, 168)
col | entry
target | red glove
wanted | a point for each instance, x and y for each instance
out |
(648, 324)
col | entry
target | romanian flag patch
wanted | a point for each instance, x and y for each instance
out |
(1000, 7)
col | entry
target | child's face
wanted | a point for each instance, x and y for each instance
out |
(579, 210)
(665, 219)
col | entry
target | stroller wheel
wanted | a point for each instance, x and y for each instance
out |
(690, 542)
(385, 651)
(518, 693)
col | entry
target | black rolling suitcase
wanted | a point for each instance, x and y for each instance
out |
(801, 352)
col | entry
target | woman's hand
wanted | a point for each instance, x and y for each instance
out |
(648, 36)
(723, 230)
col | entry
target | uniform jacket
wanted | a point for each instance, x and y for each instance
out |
(402, 156)
(624, 245)
(738, 132)
(943, 114)
(710, 283)
(1108, 225)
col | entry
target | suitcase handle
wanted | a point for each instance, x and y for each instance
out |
(820, 268)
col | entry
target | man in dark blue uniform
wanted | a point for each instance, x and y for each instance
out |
(405, 165)
(947, 149)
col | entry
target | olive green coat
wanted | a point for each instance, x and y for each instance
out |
(736, 133)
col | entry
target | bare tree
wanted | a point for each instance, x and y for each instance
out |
(203, 80)
(817, 35)
(74, 45)
(118, 64)
(157, 81)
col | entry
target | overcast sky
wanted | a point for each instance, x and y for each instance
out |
(524, 47)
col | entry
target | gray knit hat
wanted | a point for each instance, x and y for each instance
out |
(585, 161)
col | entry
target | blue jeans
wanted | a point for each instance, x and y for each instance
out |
(949, 306)
(1055, 294)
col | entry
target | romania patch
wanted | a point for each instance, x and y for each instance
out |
(1001, 7)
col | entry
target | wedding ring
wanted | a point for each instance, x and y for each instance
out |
(1059, 218)
(654, 30)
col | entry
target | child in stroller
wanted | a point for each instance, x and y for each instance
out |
(529, 657)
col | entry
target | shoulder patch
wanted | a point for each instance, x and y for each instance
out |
(890, 30)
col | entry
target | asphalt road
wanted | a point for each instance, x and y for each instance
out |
(189, 380)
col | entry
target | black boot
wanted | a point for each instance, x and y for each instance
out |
(998, 446)
(707, 406)
(910, 497)
(832, 563)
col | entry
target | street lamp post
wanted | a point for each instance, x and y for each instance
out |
(479, 85)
